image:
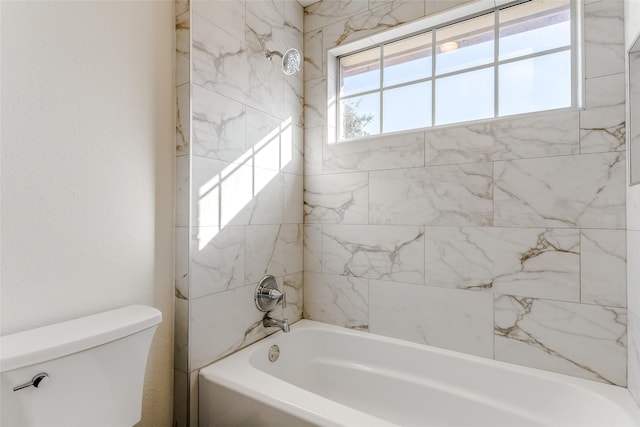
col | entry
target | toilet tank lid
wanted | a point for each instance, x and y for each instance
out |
(61, 339)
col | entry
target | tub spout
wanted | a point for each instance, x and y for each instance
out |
(270, 321)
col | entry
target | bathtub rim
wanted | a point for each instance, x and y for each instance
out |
(219, 372)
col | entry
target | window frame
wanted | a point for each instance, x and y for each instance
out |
(432, 24)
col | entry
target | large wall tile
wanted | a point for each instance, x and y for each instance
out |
(273, 249)
(183, 119)
(313, 144)
(337, 199)
(505, 139)
(438, 195)
(181, 335)
(568, 191)
(583, 340)
(338, 300)
(217, 260)
(397, 151)
(324, 13)
(181, 241)
(376, 252)
(293, 199)
(604, 267)
(315, 102)
(183, 46)
(183, 187)
(293, 287)
(223, 13)
(602, 124)
(218, 126)
(533, 262)
(223, 323)
(312, 248)
(447, 318)
(389, 15)
(233, 69)
(604, 38)
(313, 55)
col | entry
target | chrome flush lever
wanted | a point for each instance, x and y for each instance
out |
(37, 381)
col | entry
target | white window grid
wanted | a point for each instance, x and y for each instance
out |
(575, 66)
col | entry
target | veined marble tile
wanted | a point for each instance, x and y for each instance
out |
(602, 124)
(181, 6)
(583, 340)
(315, 102)
(604, 267)
(313, 55)
(183, 41)
(265, 24)
(437, 195)
(218, 126)
(183, 170)
(181, 335)
(234, 318)
(273, 249)
(293, 199)
(323, 13)
(294, 14)
(193, 397)
(229, 67)
(390, 152)
(183, 122)
(505, 139)
(375, 252)
(431, 7)
(313, 142)
(604, 38)
(338, 300)
(391, 14)
(567, 191)
(263, 139)
(217, 260)
(446, 318)
(267, 203)
(294, 98)
(292, 149)
(634, 356)
(533, 262)
(182, 238)
(293, 288)
(312, 248)
(337, 199)
(229, 15)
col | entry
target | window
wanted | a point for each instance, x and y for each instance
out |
(513, 59)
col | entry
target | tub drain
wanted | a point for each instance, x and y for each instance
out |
(274, 353)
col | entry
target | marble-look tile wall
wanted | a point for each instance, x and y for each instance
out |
(504, 238)
(239, 208)
(632, 32)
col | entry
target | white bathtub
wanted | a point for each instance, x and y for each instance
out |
(331, 376)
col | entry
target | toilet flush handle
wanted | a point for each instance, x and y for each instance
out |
(37, 381)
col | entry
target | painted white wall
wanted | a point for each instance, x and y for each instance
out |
(87, 168)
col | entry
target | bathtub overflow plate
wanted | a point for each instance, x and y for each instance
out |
(274, 353)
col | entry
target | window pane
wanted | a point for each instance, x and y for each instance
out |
(407, 107)
(541, 83)
(466, 44)
(533, 27)
(360, 72)
(360, 116)
(464, 97)
(407, 60)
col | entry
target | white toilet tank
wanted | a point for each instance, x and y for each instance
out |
(89, 371)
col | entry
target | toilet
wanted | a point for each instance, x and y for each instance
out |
(85, 372)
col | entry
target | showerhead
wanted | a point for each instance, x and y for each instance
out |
(290, 60)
